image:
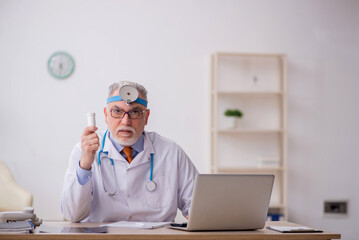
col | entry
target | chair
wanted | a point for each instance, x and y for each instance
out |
(12, 196)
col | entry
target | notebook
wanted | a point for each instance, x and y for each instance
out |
(229, 202)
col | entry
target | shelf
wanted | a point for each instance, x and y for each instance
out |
(236, 131)
(255, 84)
(231, 54)
(254, 170)
(277, 205)
(248, 93)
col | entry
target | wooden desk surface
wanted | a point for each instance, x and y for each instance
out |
(167, 233)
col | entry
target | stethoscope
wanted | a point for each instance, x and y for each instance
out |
(150, 185)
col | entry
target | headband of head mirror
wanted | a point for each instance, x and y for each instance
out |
(128, 94)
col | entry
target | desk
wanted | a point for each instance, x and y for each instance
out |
(167, 233)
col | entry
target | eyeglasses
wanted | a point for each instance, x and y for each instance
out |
(133, 114)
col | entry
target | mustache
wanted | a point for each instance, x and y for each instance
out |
(127, 128)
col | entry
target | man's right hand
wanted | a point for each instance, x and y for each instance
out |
(89, 145)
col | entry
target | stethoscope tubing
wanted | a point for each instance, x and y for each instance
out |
(114, 172)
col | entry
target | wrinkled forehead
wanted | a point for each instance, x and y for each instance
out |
(120, 105)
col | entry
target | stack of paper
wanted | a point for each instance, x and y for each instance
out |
(292, 229)
(18, 226)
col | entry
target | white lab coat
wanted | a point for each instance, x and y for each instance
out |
(173, 173)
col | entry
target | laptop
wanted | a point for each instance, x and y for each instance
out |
(229, 202)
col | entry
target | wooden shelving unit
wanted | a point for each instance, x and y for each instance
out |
(256, 85)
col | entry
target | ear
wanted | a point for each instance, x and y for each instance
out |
(147, 115)
(105, 112)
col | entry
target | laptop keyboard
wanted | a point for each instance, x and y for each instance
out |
(179, 224)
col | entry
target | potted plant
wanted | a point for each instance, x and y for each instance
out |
(233, 115)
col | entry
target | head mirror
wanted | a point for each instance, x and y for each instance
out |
(128, 93)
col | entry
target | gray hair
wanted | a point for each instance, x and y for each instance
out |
(118, 85)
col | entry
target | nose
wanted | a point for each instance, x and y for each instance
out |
(126, 120)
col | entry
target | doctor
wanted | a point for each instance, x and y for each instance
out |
(126, 173)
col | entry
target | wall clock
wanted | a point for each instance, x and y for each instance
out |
(61, 65)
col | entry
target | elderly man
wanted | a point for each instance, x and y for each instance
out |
(126, 173)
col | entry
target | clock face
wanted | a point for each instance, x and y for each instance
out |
(61, 65)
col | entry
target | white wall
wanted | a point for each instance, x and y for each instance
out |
(166, 45)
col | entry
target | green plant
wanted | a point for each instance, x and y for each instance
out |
(233, 113)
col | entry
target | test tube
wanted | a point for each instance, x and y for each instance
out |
(91, 121)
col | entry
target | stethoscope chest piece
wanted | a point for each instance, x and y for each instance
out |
(150, 186)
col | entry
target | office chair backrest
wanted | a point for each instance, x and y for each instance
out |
(12, 196)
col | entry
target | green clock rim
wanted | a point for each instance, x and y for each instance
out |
(72, 66)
